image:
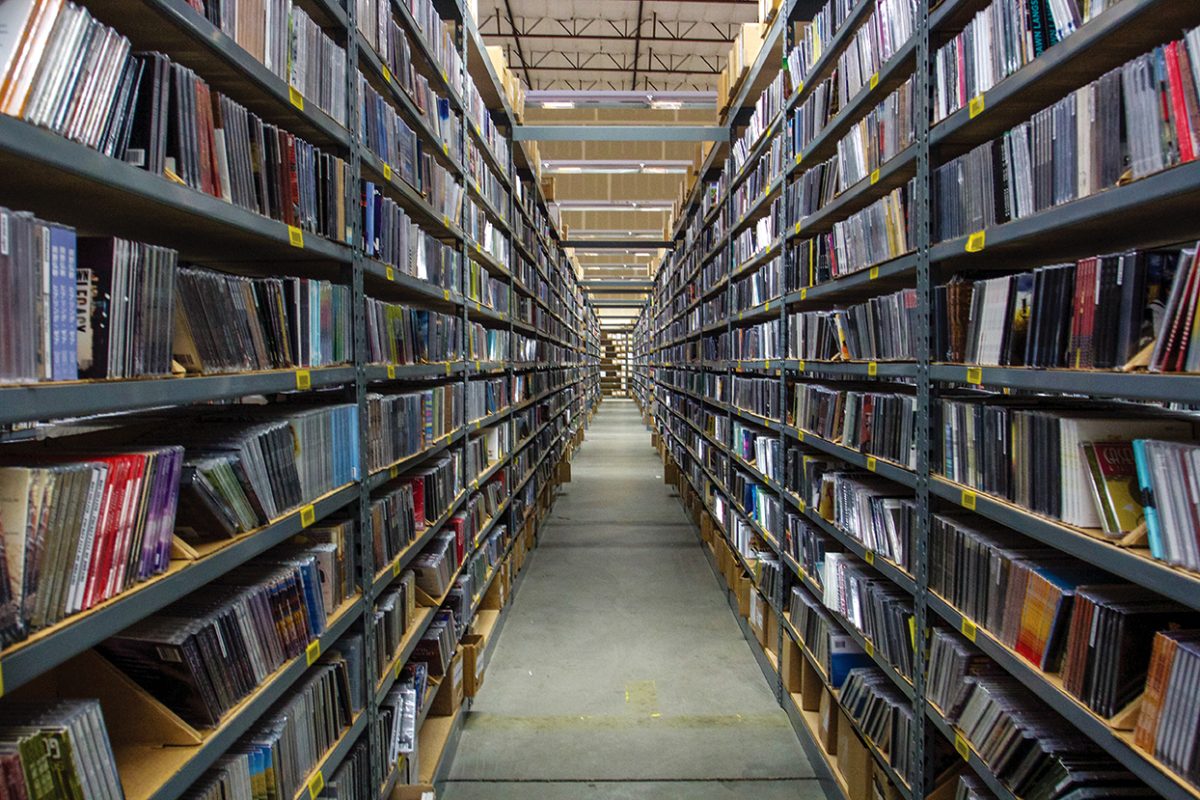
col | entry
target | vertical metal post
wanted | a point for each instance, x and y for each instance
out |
(921, 760)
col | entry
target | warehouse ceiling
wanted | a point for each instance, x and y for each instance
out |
(617, 62)
(643, 45)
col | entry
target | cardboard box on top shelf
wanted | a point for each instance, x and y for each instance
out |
(829, 727)
(413, 791)
(750, 39)
(548, 185)
(450, 694)
(499, 62)
(854, 760)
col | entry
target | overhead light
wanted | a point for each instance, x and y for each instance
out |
(570, 169)
(557, 104)
(666, 105)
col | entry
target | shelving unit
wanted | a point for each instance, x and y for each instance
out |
(558, 389)
(686, 393)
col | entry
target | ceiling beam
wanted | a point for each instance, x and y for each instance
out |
(517, 39)
(637, 45)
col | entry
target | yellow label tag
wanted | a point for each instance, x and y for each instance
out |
(766, 307)
(767, 364)
(391, 372)
(803, 506)
(447, 367)
(308, 515)
(391, 275)
(799, 158)
(871, 463)
(874, 273)
(975, 107)
(797, 227)
(313, 651)
(874, 80)
(740, 314)
(445, 77)
(870, 648)
(961, 746)
(804, 294)
(295, 236)
(295, 97)
(445, 220)
(874, 177)
(387, 172)
(800, 365)
(393, 471)
(869, 557)
(303, 379)
(387, 73)
(969, 629)
(316, 785)
(975, 241)
(968, 499)
(872, 369)
(477, 366)
(446, 148)
(445, 294)
(800, 435)
(396, 568)
(912, 632)
(766, 191)
(974, 375)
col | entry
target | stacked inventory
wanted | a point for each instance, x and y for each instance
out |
(239, 579)
(927, 373)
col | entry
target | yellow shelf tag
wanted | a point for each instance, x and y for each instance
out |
(871, 463)
(303, 379)
(874, 80)
(396, 568)
(961, 746)
(767, 364)
(800, 365)
(874, 273)
(873, 369)
(799, 158)
(394, 471)
(975, 107)
(387, 172)
(295, 236)
(445, 294)
(869, 557)
(767, 307)
(804, 294)
(391, 274)
(387, 73)
(445, 77)
(976, 241)
(447, 367)
(399, 668)
(308, 515)
(797, 227)
(874, 177)
(316, 785)
(391, 372)
(313, 651)
(477, 366)
(974, 375)
(800, 435)
(446, 148)
(912, 632)
(445, 220)
(870, 648)
(295, 97)
(968, 499)
(803, 507)
(969, 629)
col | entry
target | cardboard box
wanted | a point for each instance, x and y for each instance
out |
(450, 694)
(472, 648)
(854, 760)
(757, 616)
(744, 588)
(791, 666)
(767, 9)
(881, 785)
(771, 630)
(811, 686)
(412, 791)
(829, 727)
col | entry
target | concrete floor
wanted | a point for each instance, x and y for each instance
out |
(621, 671)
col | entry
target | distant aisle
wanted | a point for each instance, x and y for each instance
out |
(621, 672)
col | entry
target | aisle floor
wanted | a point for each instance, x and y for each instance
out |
(621, 671)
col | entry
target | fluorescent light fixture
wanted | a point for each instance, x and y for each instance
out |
(666, 105)
(557, 104)
(575, 170)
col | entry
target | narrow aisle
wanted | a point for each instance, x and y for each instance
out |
(621, 672)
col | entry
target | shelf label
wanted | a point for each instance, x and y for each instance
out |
(391, 274)
(874, 80)
(871, 463)
(974, 375)
(800, 365)
(396, 568)
(976, 241)
(804, 294)
(799, 158)
(968, 499)
(767, 364)
(445, 294)
(869, 557)
(387, 172)
(961, 746)
(869, 647)
(767, 307)
(447, 367)
(445, 220)
(387, 73)
(445, 77)
(296, 98)
(975, 107)
(446, 148)
(391, 372)
(295, 236)
(797, 227)
(874, 273)
(912, 632)
(800, 435)
(308, 515)
(873, 368)
(399, 668)
(316, 785)
(313, 651)
(969, 629)
(477, 365)
(394, 471)
(303, 379)
(874, 177)
(803, 506)
(478, 424)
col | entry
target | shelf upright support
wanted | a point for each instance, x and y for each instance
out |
(921, 740)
